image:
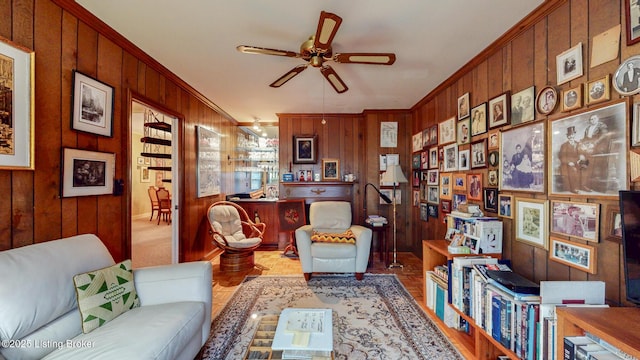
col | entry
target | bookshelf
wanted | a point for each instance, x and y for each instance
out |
(618, 326)
(477, 341)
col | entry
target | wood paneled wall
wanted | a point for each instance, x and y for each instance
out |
(526, 56)
(65, 38)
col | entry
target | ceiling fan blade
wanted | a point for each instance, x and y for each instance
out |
(327, 28)
(333, 78)
(265, 51)
(288, 76)
(366, 58)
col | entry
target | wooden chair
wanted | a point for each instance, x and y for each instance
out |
(164, 202)
(235, 233)
(155, 204)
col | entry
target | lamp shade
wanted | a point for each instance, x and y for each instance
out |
(393, 175)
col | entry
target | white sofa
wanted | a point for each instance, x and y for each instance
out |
(39, 316)
(325, 257)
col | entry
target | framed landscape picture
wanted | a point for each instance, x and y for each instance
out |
(523, 165)
(588, 152)
(86, 173)
(575, 219)
(531, 221)
(92, 105)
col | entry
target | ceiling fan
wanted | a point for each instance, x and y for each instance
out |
(317, 51)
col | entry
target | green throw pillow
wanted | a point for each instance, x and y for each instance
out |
(104, 294)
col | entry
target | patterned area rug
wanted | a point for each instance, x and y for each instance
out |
(375, 318)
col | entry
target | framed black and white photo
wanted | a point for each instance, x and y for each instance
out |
(523, 106)
(432, 209)
(626, 79)
(463, 159)
(433, 158)
(632, 21)
(505, 208)
(16, 107)
(575, 219)
(479, 154)
(523, 165)
(86, 173)
(546, 100)
(598, 90)
(479, 119)
(588, 152)
(531, 221)
(447, 131)
(491, 199)
(451, 157)
(572, 98)
(445, 186)
(433, 195)
(426, 138)
(635, 128)
(208, 160)
(416, 142)
(464, 131)
(424, 214)
(305, 149)
(493, 140)
(463, 106)
(579, 256)
(492, 177)
(494, 158)
(569, 64)
(499, 110)
(92, 105)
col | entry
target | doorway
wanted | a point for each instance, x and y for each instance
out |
(154, 223)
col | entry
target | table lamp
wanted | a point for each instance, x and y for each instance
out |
(394, 175)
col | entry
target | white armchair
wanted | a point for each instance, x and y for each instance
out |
(332, 217)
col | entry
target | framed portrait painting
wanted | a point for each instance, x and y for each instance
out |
(86, 173)
(588, 152)
(523, 164)
(305, 149)
(531, 221)
(546, 100)
(499, 110)
(575, 219)
(16, 107)
(92, 105)
(578, 256)
(627, 77)
(569, 64)
(331, 169)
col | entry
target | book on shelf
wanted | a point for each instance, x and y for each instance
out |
(571, 344)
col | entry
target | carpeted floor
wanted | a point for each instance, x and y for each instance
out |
(375, 318)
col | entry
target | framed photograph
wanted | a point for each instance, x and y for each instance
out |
(459, 199)
(424, 215)
(416, 198)
(433, 196)
(388, 134)
(494, 158)
(463, 106)
(492, 177)
(522, 106)
(627, 76)
(305, 149)
(447, 131)
(523, 165)
(86, 173)
(531, 221)
(140, 160)
(416, 142)
(92, 105)
(432, 209)
(16, 106)
(445, 206)
(575, 219)
(494, 140)
(331, 169)
(588, 153)
(208, 160)
(546, 100)
(426, 138)
(445, 186)
(572, 98)
(498, 110)
(632, 21)
(433, 138)
(460, 182)
(479, 119)
(432, 177)
(613, 225)
(474, 187)
(451, 157)
(569, 64)
(579, 256)
(433, 158)
(424, 160)
(504, 202)
(479, 154)
(145, 175)
(491, 199)
(464, 133)
(416, 178)
(463, 159)
(635, 128)
(389, 193)
(598, 90)
(415, 160)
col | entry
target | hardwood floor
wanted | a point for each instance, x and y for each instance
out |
(274, 263)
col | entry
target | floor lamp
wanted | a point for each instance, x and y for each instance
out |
(394, 175)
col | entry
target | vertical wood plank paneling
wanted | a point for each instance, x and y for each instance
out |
(22, 21)
(6, 25)
(5, 176)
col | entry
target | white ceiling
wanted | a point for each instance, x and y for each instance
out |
(197, 39)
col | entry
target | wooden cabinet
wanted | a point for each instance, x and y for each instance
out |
(617, 326)
(267, 211)
(477, 341)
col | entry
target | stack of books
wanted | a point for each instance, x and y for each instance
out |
(376, 220)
